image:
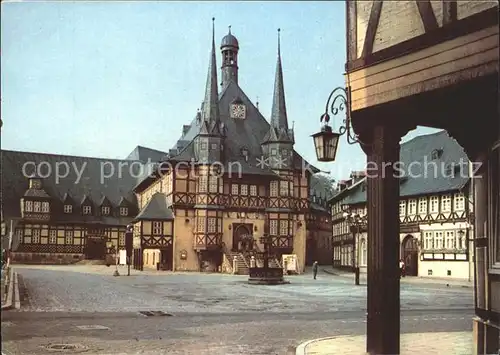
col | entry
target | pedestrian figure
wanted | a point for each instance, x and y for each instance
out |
(402, 267)
(315, 269)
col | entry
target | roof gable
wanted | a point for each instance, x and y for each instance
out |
(156, 209)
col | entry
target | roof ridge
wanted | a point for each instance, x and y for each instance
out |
(65, 155)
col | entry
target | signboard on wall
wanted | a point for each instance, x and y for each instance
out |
(289, 262)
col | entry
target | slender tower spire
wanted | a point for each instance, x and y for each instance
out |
(210, 110)
(278, 115)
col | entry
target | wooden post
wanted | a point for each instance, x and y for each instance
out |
(383, 318)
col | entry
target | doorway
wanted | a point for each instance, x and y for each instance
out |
(166, 259)
(95, 249)
(242, 237)
(410, 255)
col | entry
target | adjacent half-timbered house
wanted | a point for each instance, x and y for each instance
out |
(434, 64)
(435, 210)
(64, 209)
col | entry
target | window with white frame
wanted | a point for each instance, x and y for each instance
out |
(37, 206)
(273, 227)
(87, 209)
(363, 252)
(284, 227)
(412, 207)
(28, 206)
(273, 189)
(422, 206)
(234, 189)
(253, 190)
(450, 240)
(438, 240)
(68, 237)
(105, 210)
(200, 224)
(45, 207)
(428, 240)
(202, 184)
(434, 204)
(53, 236)
(446, 203)
(121, 238)
(157, 228)
(68, 208)
(212, 225)
(283, 188)
(213, 184)
(35, 236)
(244, 190)
(123, 211)
(402, 208)
(459, 202)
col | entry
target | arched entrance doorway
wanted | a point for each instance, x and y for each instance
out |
(242, 237)
(410, 255)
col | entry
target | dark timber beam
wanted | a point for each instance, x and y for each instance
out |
(383, 319)
(371, 29)
(427, 15)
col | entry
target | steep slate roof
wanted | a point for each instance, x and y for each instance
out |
(143, 154)
(115, 189)
(426, 175)
(156, 209)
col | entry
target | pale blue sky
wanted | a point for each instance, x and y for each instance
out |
(98, 79)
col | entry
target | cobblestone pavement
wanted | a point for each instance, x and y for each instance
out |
(212, 313)
(450, 343)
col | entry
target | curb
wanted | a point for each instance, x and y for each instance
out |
(301, 349)
(17, 300)
(418, 281)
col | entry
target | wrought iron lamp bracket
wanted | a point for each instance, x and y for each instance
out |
(339, 101)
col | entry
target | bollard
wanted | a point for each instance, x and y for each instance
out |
(252, 261)
(235, 265)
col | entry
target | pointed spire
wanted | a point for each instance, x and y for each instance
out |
(210, 110)
(278, 115)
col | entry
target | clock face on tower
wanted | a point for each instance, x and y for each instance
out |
(238, 111)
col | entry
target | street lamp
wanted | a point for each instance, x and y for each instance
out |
(326, 141)
(355, 221)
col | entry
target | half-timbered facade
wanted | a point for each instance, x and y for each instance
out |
(435, 210)
(412, 63)
(231, 178)
(62, 209)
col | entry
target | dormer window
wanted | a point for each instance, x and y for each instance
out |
(68, 208)
(87, 209)
(123, 211)
(105, 210)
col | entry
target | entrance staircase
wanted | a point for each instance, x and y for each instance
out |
(243, 260)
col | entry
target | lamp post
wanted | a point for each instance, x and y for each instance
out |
(354, 221)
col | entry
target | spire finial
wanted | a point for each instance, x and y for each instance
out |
(257, 103)
(229, 29)
(279, 44)
(213, 28)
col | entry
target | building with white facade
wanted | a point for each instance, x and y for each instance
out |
(436, 212)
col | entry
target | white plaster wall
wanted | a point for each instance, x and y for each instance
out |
(459, 269)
